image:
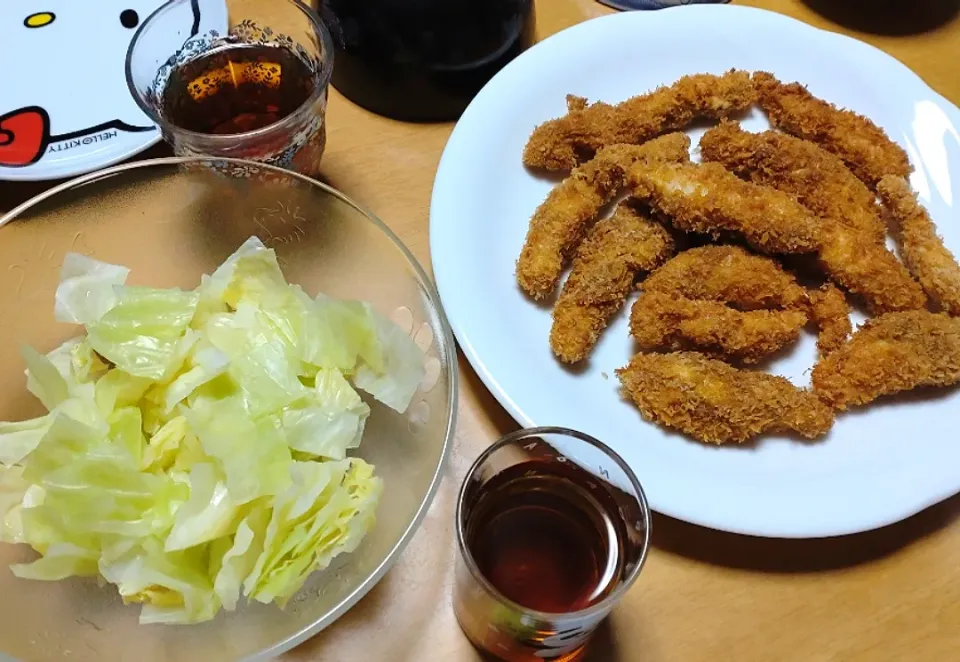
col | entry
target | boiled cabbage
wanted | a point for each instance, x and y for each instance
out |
(195, 449)
(87, 289)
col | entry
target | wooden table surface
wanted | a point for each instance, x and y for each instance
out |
(891, 594)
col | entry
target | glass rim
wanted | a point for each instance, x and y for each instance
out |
(324, 74)
(617, 594)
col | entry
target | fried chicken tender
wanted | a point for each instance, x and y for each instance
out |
(663, 321)
(604, 268)
(717, 403)
(866, 149)
(921, 247)
(710, 199)
(559, 223)
(852, 232)
(870, 270)
(563, 143)
(889, 354)
(817, 178)
(830, 311)
(729, 274)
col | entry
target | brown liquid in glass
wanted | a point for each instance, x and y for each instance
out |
(238, 89)
(544, 540)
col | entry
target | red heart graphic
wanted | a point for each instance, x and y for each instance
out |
(23, 136)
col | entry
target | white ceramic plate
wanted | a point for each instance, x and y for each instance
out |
(64, 104)
(878, 465)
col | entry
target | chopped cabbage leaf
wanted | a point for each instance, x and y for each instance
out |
(139, 334)
(85, 364)
(91, 486)
(259, 362)
(393, 377)
(214, 287)
(87, 289)
(105, 495)
(337, 334)
(60, 561)
(81, 408)
(63, 438)
(43, 378)
(207, 364)
(238, 561)
(208, 514)
(252, 452)
(333, 424)
(256, 279)
(195, 449)
(326, 512)
(174, 587)
(62, 359)
(75, 362)
(126, 431)
(165, 445)
(12, 491)
(18, 439)
(118, 389)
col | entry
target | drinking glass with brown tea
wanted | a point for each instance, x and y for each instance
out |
(252, 88)
(552, 529)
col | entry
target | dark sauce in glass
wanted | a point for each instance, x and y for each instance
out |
(237, 89)
(544, 540)
(423, 60)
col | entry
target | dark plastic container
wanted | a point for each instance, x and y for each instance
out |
(423, 60)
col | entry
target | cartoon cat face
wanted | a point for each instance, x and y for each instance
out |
(65, 107)
(73, 52)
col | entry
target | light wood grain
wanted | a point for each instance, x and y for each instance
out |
(892, 594)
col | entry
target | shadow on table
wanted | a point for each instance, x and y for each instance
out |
(470, 382)
(888, 17)
(602, 647)
(13, 194)
(814, 555)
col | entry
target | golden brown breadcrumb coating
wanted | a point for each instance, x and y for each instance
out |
(921, 247)
(717, 403)
(730, 274)
(889, 354)
(866, 149)
(815, 177)
(668, 322)
(559, 223)
(830, 311)
(710, 199)
(614, 252)
(575, 103)
(563, 143)
(852, 231)
(867, 268)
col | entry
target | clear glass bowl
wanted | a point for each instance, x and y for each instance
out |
(172, 220)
